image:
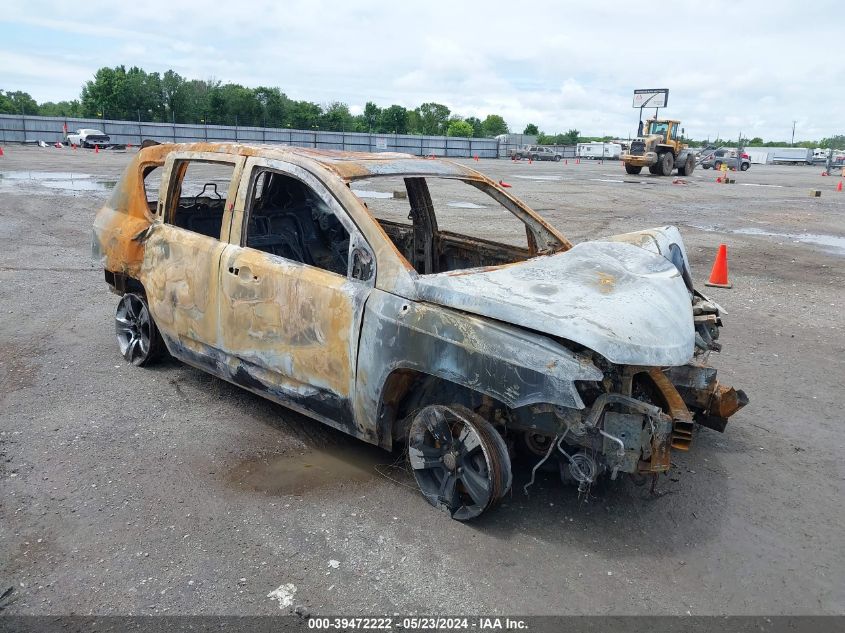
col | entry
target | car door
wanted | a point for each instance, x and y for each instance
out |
(291, 296)
(181, 270)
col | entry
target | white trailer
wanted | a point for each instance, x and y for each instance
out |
(597, 150)
(792, 155)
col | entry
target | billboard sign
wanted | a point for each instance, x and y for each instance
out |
(651, 98)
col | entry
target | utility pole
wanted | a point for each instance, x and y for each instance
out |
(792, 144)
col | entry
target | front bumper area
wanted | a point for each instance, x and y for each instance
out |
(645, 160)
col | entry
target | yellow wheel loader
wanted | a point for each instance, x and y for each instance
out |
(658, 146)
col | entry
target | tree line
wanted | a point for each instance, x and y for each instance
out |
(136, 95)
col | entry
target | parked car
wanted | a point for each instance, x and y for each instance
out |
(537, 152)
(730, 157)
(262, 266)
(86, 137)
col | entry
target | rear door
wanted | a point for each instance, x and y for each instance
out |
(294, 283)
(181, 272)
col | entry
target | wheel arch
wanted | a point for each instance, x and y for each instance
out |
(407, 390)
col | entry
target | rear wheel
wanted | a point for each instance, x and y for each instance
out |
(557, 158)
(137, 334)
(633, 169)
(459, 460)
(535, 157)
(687, 168)
(665, 162)
(744, 167)
(654, 169)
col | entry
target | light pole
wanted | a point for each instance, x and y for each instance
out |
(792, 144)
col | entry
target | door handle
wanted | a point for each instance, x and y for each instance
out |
(243, 273)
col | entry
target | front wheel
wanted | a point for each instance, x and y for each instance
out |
(535, 157)
(744, 167)
(666, 162)
(633, 169)
(557, 158)
(137, 334)
(459, 460)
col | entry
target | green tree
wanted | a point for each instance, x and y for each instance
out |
(433, 118)
(17, 102)
(371, 117)
(336, 118)
(756, 141)
(459, 127)
(393, 120)
(61, 109)
(571, 137)
(835, 142)
(494, 125)
(477, 126)
(531, 130)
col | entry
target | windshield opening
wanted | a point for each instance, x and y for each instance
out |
(447, 224)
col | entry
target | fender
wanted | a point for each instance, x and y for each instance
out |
(514, 366)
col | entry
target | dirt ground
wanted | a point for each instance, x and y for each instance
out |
(125, 490)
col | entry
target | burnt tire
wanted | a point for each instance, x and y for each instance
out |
(665, 164)
(460, 462)
(633, 169)
(137, 335)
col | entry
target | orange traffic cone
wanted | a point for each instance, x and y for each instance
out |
(96, 149)
(838, 187)
(504, 184)
(719, 274)
(1, 151)
(476, 158)
(566, 162)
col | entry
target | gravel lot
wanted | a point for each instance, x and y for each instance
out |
(124, 490)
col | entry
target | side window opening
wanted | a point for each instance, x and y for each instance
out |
(152, 185)
(289, 219)
(199, 194)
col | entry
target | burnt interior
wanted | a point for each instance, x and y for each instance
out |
(287, 218)
(431, 250)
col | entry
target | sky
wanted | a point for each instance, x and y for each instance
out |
(740, 66)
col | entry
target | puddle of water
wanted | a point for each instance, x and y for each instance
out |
(755, 184)
(61, 180)
(466, 205)
(297, 474)
(606, 180)
(538, 177)
(42, 175)
(364, 193)
(79, 185)
(833, 242)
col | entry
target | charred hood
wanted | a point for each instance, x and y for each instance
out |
(626, 303)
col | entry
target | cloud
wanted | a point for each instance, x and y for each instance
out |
(753, 66)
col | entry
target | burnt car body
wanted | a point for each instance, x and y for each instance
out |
(396, 332)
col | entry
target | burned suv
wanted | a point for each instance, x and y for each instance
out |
(270, 268)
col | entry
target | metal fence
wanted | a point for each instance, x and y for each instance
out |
(16, 128)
